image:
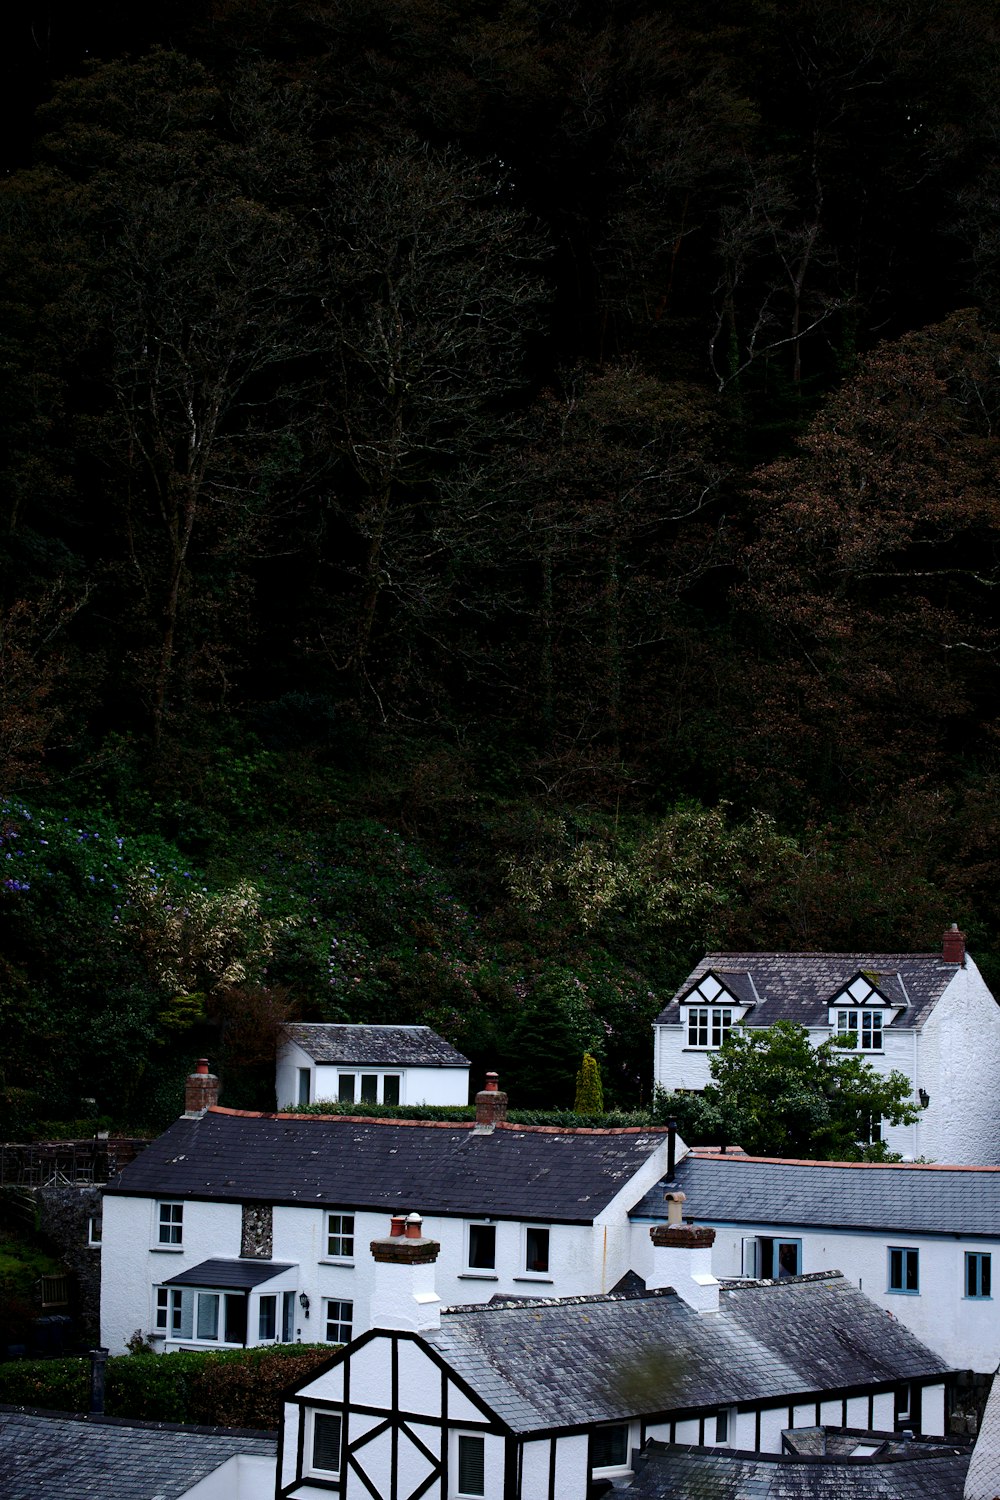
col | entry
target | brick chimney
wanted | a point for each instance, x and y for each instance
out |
(201, 1090)
(953, 950)
(682, 1258)
(403, 1294)
(491, 1105)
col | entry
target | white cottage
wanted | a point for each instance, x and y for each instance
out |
(918, 1240)
(542, 1400)
(236, 1229)
(927, 1015)
(369, 1064)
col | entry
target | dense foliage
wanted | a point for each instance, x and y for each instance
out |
(494, 501)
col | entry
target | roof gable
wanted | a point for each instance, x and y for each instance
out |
(719, 987)
(801, 986)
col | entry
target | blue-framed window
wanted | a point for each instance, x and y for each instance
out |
(978, 1274)
(904, 1270)
(777, 1258)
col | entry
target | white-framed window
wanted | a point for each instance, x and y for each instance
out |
(864, 1025)
(708, 1025)
(325, 1430)
(339, 1321)
(725, 1426)
(340, 1236)
(304, 1085)
(470, 1464)
(94, 1230)
(202, 1316)
(482, 1244)
(368, 1088)
(536, 1249)
(267, 1318)
(169, 1225)
(771, 1258)
(610, 1449)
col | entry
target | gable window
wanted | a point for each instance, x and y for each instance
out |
(536, 1249)
(482, 1247)
(865, 1026)
(609, 1449)
(327, 1427)
(471, 1465)
(170, 1225)
(723, 1424)
(708, 1025)
(339, 1321)
(904, 1270)
(978, 1275)
(340, 1236)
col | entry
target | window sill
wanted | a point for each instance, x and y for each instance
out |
(898, 1291)
(334, 1260)
(478, 1276)
(537, 1277)
(167, 1249)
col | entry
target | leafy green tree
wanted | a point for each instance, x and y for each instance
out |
(589, 1091)
(778, 1095)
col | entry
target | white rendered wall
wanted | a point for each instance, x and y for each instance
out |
(963, 1331)
(245, 1477)
(428, 1085)
(583, 1260)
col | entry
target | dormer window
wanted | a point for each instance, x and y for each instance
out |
(864, 1025)
(709, 1025)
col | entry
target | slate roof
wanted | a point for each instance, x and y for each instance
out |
(233, 1275)
(665, 1472)
(517, 1172)
(903, 1199)
(85, 1458)
(581, 1360)
(983, 1482)
(382, 1046)
(800, 986)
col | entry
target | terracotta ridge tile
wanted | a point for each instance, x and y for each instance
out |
(262, 1114)
(705, 1154)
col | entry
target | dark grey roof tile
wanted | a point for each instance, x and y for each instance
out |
(382, 1046)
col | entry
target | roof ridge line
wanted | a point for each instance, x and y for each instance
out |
(701, 1153)
(264, 1114)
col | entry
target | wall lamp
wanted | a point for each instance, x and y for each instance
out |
(924, 1098)
(304, 1303)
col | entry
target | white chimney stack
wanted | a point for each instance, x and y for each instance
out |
(403, 1294)
(682, 1259)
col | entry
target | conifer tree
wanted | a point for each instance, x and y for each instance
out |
(589, 1089)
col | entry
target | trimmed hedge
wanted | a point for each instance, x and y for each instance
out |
(224, 1388)
(562, 1119)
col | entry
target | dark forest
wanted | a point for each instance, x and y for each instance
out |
(496, 500)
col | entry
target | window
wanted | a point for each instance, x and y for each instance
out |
(708, 1026)
(471, 1465)
(867, 1035)
(369, 1088)
(209, 1317)
(287, 1317)
(170, 1224)
(609, 1447)
(390, 1084)
(304, 1085)
(904, 1270)
(340, 1236)
(94, 1229)
(345, 1085)
(978, 1275)
(777, 1258)
(722, 1425)
(482, 1247)
(339, 1320)
(326, 1432)
(536, 1249)
(267, 1319)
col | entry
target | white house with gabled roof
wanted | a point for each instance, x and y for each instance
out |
(368, 1064)
(929, 1016)
(236, 1228)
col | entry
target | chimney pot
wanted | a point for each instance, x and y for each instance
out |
(414, 1227)
(675, 1213)
(953, 948)
(397, 1225)
(491, 1104)
(201, 1090)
